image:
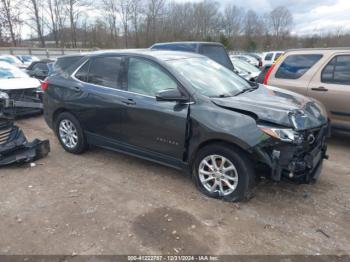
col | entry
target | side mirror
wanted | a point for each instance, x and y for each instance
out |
(171, 95)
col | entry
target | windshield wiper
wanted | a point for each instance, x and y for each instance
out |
(247, 90)
(222, 96)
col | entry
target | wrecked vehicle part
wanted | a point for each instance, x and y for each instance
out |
(299, 160)
(19, 93)
(17, 103)
(14, 147)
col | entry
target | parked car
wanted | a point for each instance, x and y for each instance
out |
(247, 58)
(323, 74)
(19, 93)
(188, 112)
(245, 69)
(12, 60)
(40, 69)
(270, 57)
(27, 59)
(214, 51)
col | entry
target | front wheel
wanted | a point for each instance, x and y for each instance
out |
(223, 171)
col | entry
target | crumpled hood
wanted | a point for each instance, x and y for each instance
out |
(19, 83)
(277, 106)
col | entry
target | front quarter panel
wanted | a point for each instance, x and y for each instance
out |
(212, 123)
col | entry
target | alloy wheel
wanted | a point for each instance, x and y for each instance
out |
(68, 133)
(218, 175)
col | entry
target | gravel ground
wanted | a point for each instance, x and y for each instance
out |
(103, 202)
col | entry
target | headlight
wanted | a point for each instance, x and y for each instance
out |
(283, 134)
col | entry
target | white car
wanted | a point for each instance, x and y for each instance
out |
(12, 60)
(19, 93)
(27, 59)
(269, 58)
(247, 58)
(245, 69)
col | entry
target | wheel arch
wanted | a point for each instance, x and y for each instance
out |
(226, 142)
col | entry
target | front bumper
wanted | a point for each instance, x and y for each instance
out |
(301, 163)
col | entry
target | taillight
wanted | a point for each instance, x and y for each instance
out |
(268, 73)
(266, 78)
(260, 63)
(44, 85)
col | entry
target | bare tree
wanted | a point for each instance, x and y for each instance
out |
(281, 21)
(154, 10)
(35, 8)
(75, 8)
(110, 11)
(136, 18)
(124, 8)
(54, 10)
(233, 19)
(10, 10)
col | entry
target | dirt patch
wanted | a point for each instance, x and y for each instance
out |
(174, 231)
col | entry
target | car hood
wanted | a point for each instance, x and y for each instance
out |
(277, 106)
(19, 83)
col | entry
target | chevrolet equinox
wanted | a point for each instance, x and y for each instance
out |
(188, 112)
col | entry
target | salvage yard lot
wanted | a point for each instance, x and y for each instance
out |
(108, 203)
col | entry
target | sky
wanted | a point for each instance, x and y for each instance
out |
(309, 15)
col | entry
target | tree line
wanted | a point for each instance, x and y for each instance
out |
(140, 23)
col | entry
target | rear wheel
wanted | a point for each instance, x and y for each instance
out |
(70, 133)
(223, 171)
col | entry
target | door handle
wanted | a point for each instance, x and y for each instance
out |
(320, 89)
(77, 89)
(128, 102)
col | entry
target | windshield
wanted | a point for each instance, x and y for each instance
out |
(10, 59)
(8, 71)
(210, 78)
(244, 66)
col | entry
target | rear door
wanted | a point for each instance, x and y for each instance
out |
(155, 128)
(331, 86)
(100, 83)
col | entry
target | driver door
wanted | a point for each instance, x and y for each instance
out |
(156, 128)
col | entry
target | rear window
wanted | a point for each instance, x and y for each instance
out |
(268, 56)
(64, 62)
(176, 47)
(295, 66)
(337, 71)
(218, 54)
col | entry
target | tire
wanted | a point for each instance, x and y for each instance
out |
(239, 170)
(78, 144)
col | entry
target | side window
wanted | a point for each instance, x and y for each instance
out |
(295, 66)
(106, 71)
(337, 71)
(147, 78)
(83, 72)
(268, 56)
